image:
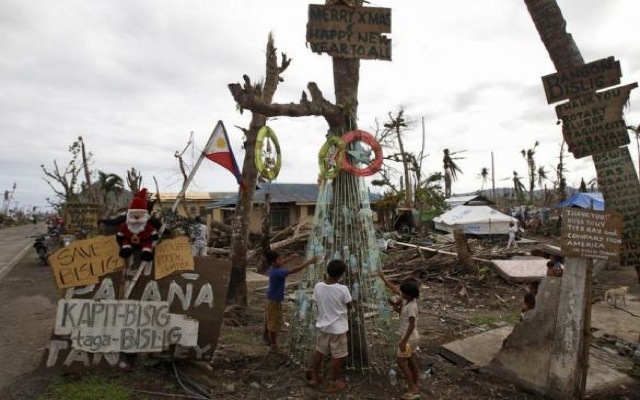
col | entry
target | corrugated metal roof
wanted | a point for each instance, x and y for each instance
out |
(306, 193)
(196, 195)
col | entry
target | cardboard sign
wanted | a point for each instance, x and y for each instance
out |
(172, 255)
(591, 234)
(176, 317)
(593, 124)
(79, 216)
(129, 326)
(620, 187)
(83, 262)
(350, 32)
(581, 80)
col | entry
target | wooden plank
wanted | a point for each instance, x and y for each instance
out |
(350, 32)
(591, 234)
(583, 79)
(594, 124)
(618, 181)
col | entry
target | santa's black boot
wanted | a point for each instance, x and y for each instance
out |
(125, 252)
(146, 256)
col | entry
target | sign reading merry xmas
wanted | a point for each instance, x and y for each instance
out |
(347, 32)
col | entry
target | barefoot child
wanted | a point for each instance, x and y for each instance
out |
(275, 293)
(408, 331)
(333, 300)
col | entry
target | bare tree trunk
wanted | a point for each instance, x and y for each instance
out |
(564, 53)
(464, 252)
(266, 232)
(237, 293)
(405, 164)
(87, 171)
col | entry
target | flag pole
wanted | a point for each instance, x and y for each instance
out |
(193, 171)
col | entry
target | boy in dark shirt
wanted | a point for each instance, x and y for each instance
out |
(275, 293)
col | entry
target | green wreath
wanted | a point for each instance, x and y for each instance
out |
(330, 157)
(267, 165)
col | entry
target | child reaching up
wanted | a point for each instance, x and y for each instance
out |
(333, 300)
(278, 274)
(409, 291)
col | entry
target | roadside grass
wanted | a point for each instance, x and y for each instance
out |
(88, 387)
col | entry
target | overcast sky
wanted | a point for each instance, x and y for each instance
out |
(134, 78)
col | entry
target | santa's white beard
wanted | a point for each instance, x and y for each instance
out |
(137, 225)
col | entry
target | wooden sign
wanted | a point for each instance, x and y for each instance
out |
(172, 255)
(347, 32)
(591, 234)
(79, 216)
(581, 80)
(83, 262)
(177, 317)
(594, 124)
(620, 187)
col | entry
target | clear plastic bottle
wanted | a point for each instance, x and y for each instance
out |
(393, 377)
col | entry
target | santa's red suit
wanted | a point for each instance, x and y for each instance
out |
(143, 239)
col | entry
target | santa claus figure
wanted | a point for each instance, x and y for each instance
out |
(136, 232)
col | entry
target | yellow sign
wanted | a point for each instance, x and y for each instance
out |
(172, 255)
(84, 261)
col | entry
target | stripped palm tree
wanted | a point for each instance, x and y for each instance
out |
(451, 169)
(560, 184)
(109, 184)
(484, 175)
(518, 187)
(529, 156)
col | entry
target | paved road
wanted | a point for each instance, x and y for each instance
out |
(27, 312)
(14, 244)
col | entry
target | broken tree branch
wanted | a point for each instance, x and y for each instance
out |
(247, 98)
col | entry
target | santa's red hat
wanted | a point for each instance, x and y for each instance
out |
(139, 201)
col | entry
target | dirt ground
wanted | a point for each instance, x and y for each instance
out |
(244, 369)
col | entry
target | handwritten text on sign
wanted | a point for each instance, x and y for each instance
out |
(350, 32)
(582, 79)
(173, 255)
(83, 262)
(128, 326)
(593, 124)
(81, 216)
(619, 183)
(591, 234)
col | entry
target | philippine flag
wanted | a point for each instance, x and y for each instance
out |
(219, 151)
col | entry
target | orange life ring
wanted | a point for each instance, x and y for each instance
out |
(374, 166)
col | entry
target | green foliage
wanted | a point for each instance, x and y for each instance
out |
(389, 200)
(90, 387)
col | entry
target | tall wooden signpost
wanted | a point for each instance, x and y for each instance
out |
(592, 125)
(348, 34)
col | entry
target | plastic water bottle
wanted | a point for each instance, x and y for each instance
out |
(303, 306)
(393, 377)
(355, 290)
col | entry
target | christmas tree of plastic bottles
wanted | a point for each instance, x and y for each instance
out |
(343, 229)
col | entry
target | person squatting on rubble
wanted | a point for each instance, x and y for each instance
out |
(409, 291)
(555, 267)
(334, 302)
(277, 274)
(200, 237)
